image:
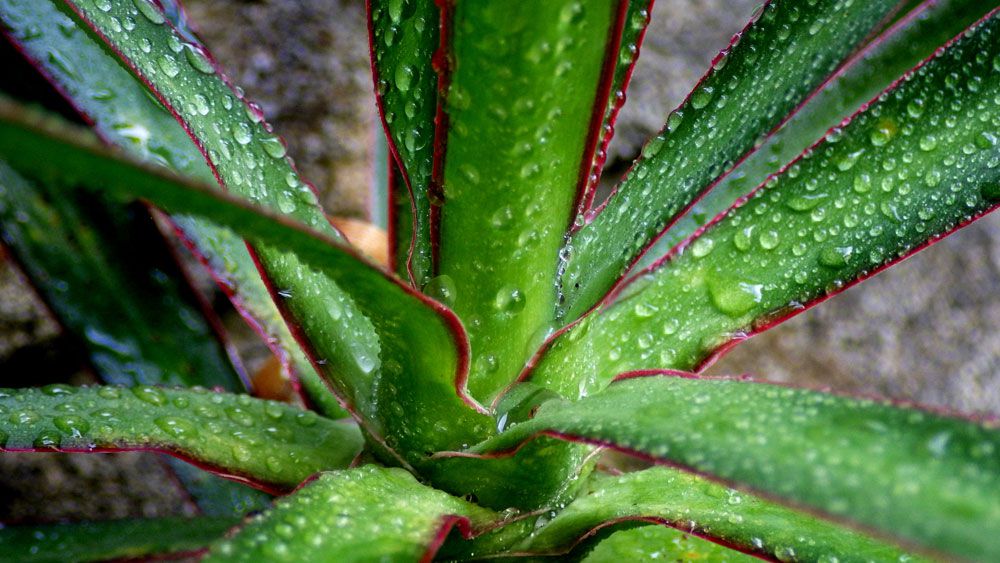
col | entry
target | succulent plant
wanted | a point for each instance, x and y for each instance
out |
(467, 400)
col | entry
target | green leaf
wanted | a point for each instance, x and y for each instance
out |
(421, 372)
(773, 65)
(929, 479)
(261, 442)
(897, 50)
(369, 336)
(248, 160)
(699, 506)
(525, 77)
(364, 514)
(105, 273)
(647, 543)
(110, 540)
(917, 164)
(633, 31)
(404, 37)
(97, 265)
(123, 114)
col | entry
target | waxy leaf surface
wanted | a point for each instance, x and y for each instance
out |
(525, 82)
(658, 542)
(365, 514)
(371, 345)
(29, 143)
(921, 161)
(868, 73)
(124, 115)
(928, 479)
(111, 540)
(404, 37)
(770, 68)
(265, 443)
(699, 506)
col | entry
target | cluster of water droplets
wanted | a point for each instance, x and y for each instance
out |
(368, 512)
(250, 159)
(921, 161)
(752, 85)
(232, 431)
(821, 450)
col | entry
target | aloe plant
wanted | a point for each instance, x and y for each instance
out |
(461, 402)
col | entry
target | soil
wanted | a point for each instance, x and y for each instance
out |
(921, 331)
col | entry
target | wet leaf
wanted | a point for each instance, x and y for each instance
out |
(926, 478)
(699, 506)
(404, 36)
(265, 443)
(917, 164)
(655, 542)
(371, 348)
(525, 81)
(425, 373)
(365, 514)
(124, 115)
(887, 57)
(787, 52)
(110, 540)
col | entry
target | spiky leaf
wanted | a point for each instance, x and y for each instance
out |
(123, 114)
(111, 540)
(365, 514)
(424, 374)
(699, 506)
(930, 479)
(404, 37)
(920, 162)
(896, 50)
(528, 89)
(267, 443)
(771, 67)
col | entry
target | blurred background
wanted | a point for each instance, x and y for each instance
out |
(922, 331)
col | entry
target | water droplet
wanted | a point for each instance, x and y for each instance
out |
(168, 65)
(72, 425)
(441, 289)
(701, 97)
(149, 11)
(735, 298)
(274, 147)
(150, 394)
(509, 300)
(198, 59)
(242, 133)
(835, 257)
(769, 240)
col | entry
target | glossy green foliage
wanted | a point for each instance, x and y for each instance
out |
(917, 164)
(932, 480)
(72, 247)
(250, 161)
(266, 442)
(364, 514)
(79, 249)
(887, 57)
(418, 325)
(632, 32)
(776, 62)
(404, 37)
(649, 543)
(123, 114)
(110, 540)
(524, 83)
(697, 505)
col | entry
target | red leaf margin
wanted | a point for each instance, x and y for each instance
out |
(777, 317)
